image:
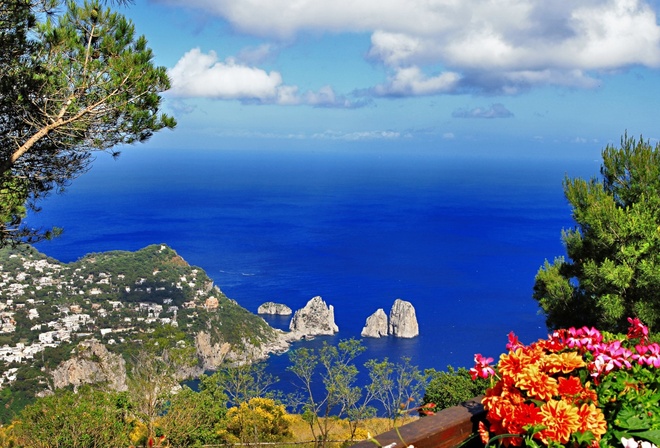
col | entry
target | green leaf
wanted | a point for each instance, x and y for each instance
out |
(628, 419)
(652, 436)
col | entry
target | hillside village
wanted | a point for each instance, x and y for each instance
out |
(113, 297)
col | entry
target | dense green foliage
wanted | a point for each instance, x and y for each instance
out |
(74, 78)
(192, 418)
(88, 418)
(613, 267)
(150, 301)
(256, 421)
(452, 387)
(154, 274)
(30, 381)
(153, 409)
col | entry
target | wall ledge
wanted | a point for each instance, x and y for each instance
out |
(448, 428)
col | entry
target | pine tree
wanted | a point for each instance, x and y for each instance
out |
(84, 83)
(612, 269)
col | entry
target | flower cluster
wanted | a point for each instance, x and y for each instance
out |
(573, 388)
(632, 443)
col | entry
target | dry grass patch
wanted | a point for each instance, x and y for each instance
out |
(340, 432)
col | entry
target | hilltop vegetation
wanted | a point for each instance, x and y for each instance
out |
(130, 301)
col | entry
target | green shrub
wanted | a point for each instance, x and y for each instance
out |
(452, 387)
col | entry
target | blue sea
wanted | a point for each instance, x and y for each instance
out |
(460, 237)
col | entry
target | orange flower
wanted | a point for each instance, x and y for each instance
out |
(562, 362)
(512, 363)
(572, 390)
(592, 419)
(570, 387)
(525, 414)
(503, 389)
(499, 410)
(560, 419)
(536, 383)
(511, 392)
(588, 394)
(484, 434)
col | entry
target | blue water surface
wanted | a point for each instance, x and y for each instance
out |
(461, 238)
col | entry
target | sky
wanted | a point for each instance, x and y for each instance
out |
(515, 77)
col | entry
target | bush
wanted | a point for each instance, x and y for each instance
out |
(84, 419)
(191, 418)
(452, 387)
(258, 420)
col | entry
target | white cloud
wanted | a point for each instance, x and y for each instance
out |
(494, 111)
(503, 46)
(181, 107)
(285, 18)
(325, 135)
(393, 49)
(251, 133)
(410, 81)
(257, 55)
(199, 75)
(358, 135)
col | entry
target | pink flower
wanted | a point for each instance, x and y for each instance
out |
(648, 354)
(513, 343)
(482, 367)
(583, 338)
(637, 330)
(610, 356)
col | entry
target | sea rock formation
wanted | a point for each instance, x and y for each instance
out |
(274, 308)
(91, 363)
(316, 318)
(376, 325)
(403, 321)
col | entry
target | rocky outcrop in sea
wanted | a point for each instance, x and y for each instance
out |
(274, 308)
(314, 319)
(402, 322)
(376, 325)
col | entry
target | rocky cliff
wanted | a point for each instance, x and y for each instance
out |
(274, 308)
(403, 321)
(211, 355)
(91, 363)
(376, 325)
(315, 318)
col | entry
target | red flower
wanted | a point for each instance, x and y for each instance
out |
(484, 434)
(570, 387)
(427, 409)
(527, 414)
(637, 330)
(482, 367)
(514, 343)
